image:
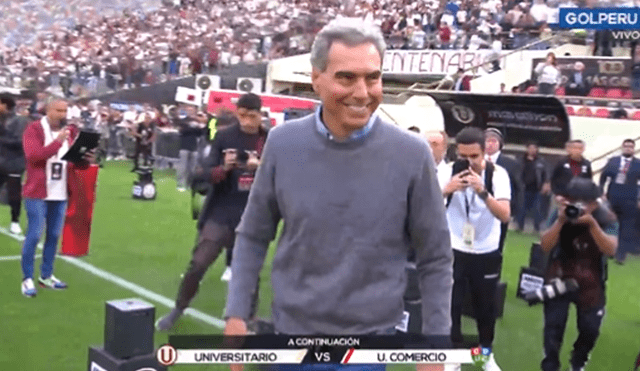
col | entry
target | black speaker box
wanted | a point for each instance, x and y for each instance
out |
(129, 328)
(101, 360)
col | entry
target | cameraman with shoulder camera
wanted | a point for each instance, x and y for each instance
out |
(582, 234)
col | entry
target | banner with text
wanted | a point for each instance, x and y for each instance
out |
(435, 62)
(520, 118)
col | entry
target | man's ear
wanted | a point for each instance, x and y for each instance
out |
(315, 77)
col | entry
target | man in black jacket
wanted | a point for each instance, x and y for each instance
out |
(12, 161)
(574, 165)
(535, 178)
(191, 129)
(230, 168)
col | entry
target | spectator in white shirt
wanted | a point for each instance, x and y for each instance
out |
(549, 76)
(539, 11)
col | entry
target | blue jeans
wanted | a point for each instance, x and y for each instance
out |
(531, 201)
(39, 214)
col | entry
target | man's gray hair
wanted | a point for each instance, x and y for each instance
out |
(52, 98)
(350, 31)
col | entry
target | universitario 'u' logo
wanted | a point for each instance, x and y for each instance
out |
(463, 114)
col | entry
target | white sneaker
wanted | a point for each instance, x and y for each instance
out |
(28, 288)
(226, 276)
(491, 364)
(15, 228)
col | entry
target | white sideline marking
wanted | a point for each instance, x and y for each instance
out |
(14, 257)
(147, 294)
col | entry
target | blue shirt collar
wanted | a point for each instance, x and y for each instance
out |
(356, 135)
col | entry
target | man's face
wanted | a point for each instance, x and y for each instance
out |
(575, 150)
(473, 153)
(57, 111)
(532, 150)
(438, 146)
(250, 120)
(351, 86)
(491, 144)
(628, 148)
(3, 109)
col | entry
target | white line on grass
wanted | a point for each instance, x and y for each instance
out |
(147, 294)
(14, 257)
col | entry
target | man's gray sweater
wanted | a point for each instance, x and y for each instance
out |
(351, 212)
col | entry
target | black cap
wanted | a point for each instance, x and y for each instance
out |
(582, 189)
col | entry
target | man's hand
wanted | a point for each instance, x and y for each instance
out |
(588, 218)
(230, 159)
(90, 156)
(475, 181)
(235, 327)
(562, 206)
(457, 183)
(546, 188)
(63, 135)
(253, 161)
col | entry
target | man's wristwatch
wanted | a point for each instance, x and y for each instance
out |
(484, 194)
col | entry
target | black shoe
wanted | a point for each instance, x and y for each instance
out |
(167, 322)
(619, 262)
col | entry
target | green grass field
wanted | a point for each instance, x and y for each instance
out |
(149, 244)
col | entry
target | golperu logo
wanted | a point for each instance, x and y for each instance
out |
(600, 18)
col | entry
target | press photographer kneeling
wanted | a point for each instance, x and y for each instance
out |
(582, 235)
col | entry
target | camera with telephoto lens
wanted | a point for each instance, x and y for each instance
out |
(555, 288)
(574, 210)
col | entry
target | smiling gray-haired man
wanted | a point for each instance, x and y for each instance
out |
(356, 194)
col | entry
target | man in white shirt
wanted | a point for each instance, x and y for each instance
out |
(476, 208)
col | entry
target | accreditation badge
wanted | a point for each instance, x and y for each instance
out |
(621, 178)
(468, 234)
(56, 170)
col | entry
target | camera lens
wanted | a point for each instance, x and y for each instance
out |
(572, 212)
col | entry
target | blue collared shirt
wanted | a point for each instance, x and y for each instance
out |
(356, 135)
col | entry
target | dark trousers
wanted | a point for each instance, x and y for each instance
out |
(546, 89)
(14, 193)
(145, 151)
(481, 273)
(531, 202)
(213, 237)
(555, 321)
(628, 239)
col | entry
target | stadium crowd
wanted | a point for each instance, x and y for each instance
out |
(83, 48)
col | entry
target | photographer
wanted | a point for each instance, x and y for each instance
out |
(230, 168)
(582, 234)
(478, 201)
